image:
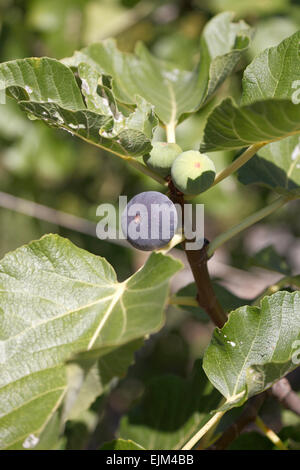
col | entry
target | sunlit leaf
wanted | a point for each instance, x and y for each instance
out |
(47, 90)
(269, 108)
(57, 300)
(255, 348)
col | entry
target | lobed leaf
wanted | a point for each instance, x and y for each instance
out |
(269, 108)
(255, 348)
(56, 301)
(172, 91)
(47, 90)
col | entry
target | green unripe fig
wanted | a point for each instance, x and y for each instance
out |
(162, 156)
(193, 172)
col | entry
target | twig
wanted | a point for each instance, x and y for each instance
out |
(196, 438)
(282, 390)
(252, 219)
(238, 162)
(271, 435)
(41, 212)
(206, 296)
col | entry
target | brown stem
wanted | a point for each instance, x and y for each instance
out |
(206, 296)
(286, 396)
(248, 416)
(198, 259)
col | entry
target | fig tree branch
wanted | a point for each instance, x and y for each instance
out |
(284, 393)
(198, 259)
(53, 216)
(206, 296)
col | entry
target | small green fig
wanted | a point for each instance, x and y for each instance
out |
(161, 157)
(193, 172)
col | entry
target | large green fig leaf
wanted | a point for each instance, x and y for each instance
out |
(274, 73)
(255, 348)
(56, 301)
(47, 90)
(276, 166)
(269, 108)
(171, 410)
(90, 375)
(231, 127)
(173, 92)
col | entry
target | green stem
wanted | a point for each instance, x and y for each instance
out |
(238, 162)
(285, 281)
(131, 160)
(170, 131)
(252, 219)
(187, 301)
(270, 434)
(211, 423)
(144, 169)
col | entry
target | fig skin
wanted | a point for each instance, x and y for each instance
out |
(145, 221)
(193, 172)
(161, 157)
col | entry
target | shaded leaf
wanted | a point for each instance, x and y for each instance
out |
(228, 300)
(171, 410)
(268, 258)
(276, 166)
(121, 444)
(57, 300)
(251, 441)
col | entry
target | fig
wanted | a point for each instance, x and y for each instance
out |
(193, 172)
(161, 157)
(149, 221)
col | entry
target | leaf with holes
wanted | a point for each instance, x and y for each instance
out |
(47, 90)
(57, 300)
(255, 348)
